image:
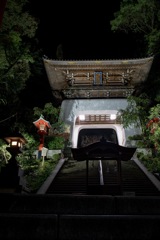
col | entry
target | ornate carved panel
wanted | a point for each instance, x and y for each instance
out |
(96, 79)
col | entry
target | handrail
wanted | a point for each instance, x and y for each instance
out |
(101, 173)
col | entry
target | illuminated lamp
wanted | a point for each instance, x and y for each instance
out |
(16, 142)
(10, 173)
(43, 127)
(82, 117)
(113, 116)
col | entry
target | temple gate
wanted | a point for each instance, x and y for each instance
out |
(91, 92)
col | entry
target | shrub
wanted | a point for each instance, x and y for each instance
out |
(35, 173)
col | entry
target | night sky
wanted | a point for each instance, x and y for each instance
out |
(83, 30)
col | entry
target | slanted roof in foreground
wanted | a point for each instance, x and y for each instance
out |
(96, 78)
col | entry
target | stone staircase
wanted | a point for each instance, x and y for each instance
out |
(134, 181)
(68, 213)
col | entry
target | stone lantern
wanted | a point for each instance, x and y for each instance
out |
(9, 178)
(16, 142)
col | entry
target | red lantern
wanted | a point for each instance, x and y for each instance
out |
(153, 123)
(43, 126)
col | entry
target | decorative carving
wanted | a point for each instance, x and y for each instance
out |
(93, 78)
(127, 76)
(76, 79)
(97, 93)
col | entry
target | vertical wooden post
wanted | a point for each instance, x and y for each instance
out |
(87, 175)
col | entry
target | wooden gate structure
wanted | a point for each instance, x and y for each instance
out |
(95, 79)
(98, 79)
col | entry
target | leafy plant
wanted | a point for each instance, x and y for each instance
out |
(136, 112)
(4, 154)
(153, 127)
(55, 142)
(140, 17)
(55, 138)
(139, 113)
(150, 162)
(49, 112)
(16, 50)
(136, 137)
(35, 173)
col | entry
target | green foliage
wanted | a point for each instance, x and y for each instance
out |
(151, 162)
(20, 62)
(142, 17)
(17, 53)
(154, 129)
(154, 111)
(17, 29)
(49, 112)
(139, 113)
(4, 154)
(136, 111)
(152, 159)
(135, 137)
(35, 173)
(25, 159)
(55, 142)
(30, 146)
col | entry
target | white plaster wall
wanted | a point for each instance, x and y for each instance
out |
(70, 109)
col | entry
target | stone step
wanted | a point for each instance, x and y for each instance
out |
(133, 180)
(77, 227)
(63, 217)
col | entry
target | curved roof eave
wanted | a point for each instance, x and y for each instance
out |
(57, 70)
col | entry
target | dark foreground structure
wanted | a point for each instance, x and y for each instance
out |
(71, 217)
